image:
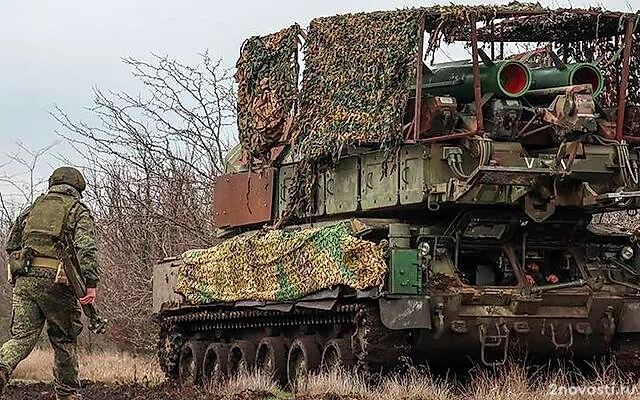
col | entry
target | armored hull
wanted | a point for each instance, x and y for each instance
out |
(463, 295)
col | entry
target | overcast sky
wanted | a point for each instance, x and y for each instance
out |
(56, 51)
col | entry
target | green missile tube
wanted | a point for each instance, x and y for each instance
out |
(505, 79)
(572, 74)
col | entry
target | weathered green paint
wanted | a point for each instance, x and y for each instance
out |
(284, 186)
(342, 186)
(406, 272)
(457, 81)
(285, 180)
(549, 77)
(379, 180)
(421, 173)
(412, 173)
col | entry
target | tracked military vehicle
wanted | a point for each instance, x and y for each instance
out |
(477, 211)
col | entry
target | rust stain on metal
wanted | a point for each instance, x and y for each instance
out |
(624, 79)
(243, 200)
(419, 80)
(477, 89)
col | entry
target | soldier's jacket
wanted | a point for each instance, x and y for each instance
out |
(79, 225)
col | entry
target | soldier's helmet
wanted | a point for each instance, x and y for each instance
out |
(68, 175)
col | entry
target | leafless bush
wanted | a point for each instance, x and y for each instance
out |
(151, 160)
(21, 186)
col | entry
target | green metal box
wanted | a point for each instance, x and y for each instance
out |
(406, 272)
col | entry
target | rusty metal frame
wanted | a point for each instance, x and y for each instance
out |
(477, 89)
(244, 198)
(493, 39)
(450, 136)
(624, 79)
(505, 12)
(419, 80)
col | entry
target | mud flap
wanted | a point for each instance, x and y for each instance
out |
(406, 312)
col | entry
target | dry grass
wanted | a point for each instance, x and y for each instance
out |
(260, 385)
(337, 384)
(114, 368)
(512, 382)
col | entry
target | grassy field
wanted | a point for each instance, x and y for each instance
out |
(113, 368)
(512, 382)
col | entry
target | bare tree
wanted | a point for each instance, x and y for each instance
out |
(187, 116)
(151, 160)
(25, 179)
(21, 186)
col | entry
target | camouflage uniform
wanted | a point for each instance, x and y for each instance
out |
(37, 298)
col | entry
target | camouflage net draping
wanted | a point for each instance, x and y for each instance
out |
(267, 76)
(358, 70)
(609, 51)
(279, 265)
(355, 87)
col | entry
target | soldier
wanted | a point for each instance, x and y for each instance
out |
(41, 292)
(536, 277)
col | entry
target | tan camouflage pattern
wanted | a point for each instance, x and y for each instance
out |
(280, 265)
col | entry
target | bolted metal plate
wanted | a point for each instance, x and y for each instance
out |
(239, 200)
(165, 278)
(285, 180)
(379, 181)
(406, 312)
(342, 186)
(412, 184)
(406, 272)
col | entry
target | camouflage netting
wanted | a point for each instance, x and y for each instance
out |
(267, 76)
(280, 266)
(358, 71)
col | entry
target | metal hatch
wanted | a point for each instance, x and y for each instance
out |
(342, 186)
(412, 185)
(379, 180)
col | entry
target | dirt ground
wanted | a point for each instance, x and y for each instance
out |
(94, 391)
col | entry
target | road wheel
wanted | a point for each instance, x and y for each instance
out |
(304, 358)
(169, 346)
(271, 358)
(190, 364)
(215, 364)
(337, 354)
(241, 357)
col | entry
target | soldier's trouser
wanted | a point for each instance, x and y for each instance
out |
(36, 300)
